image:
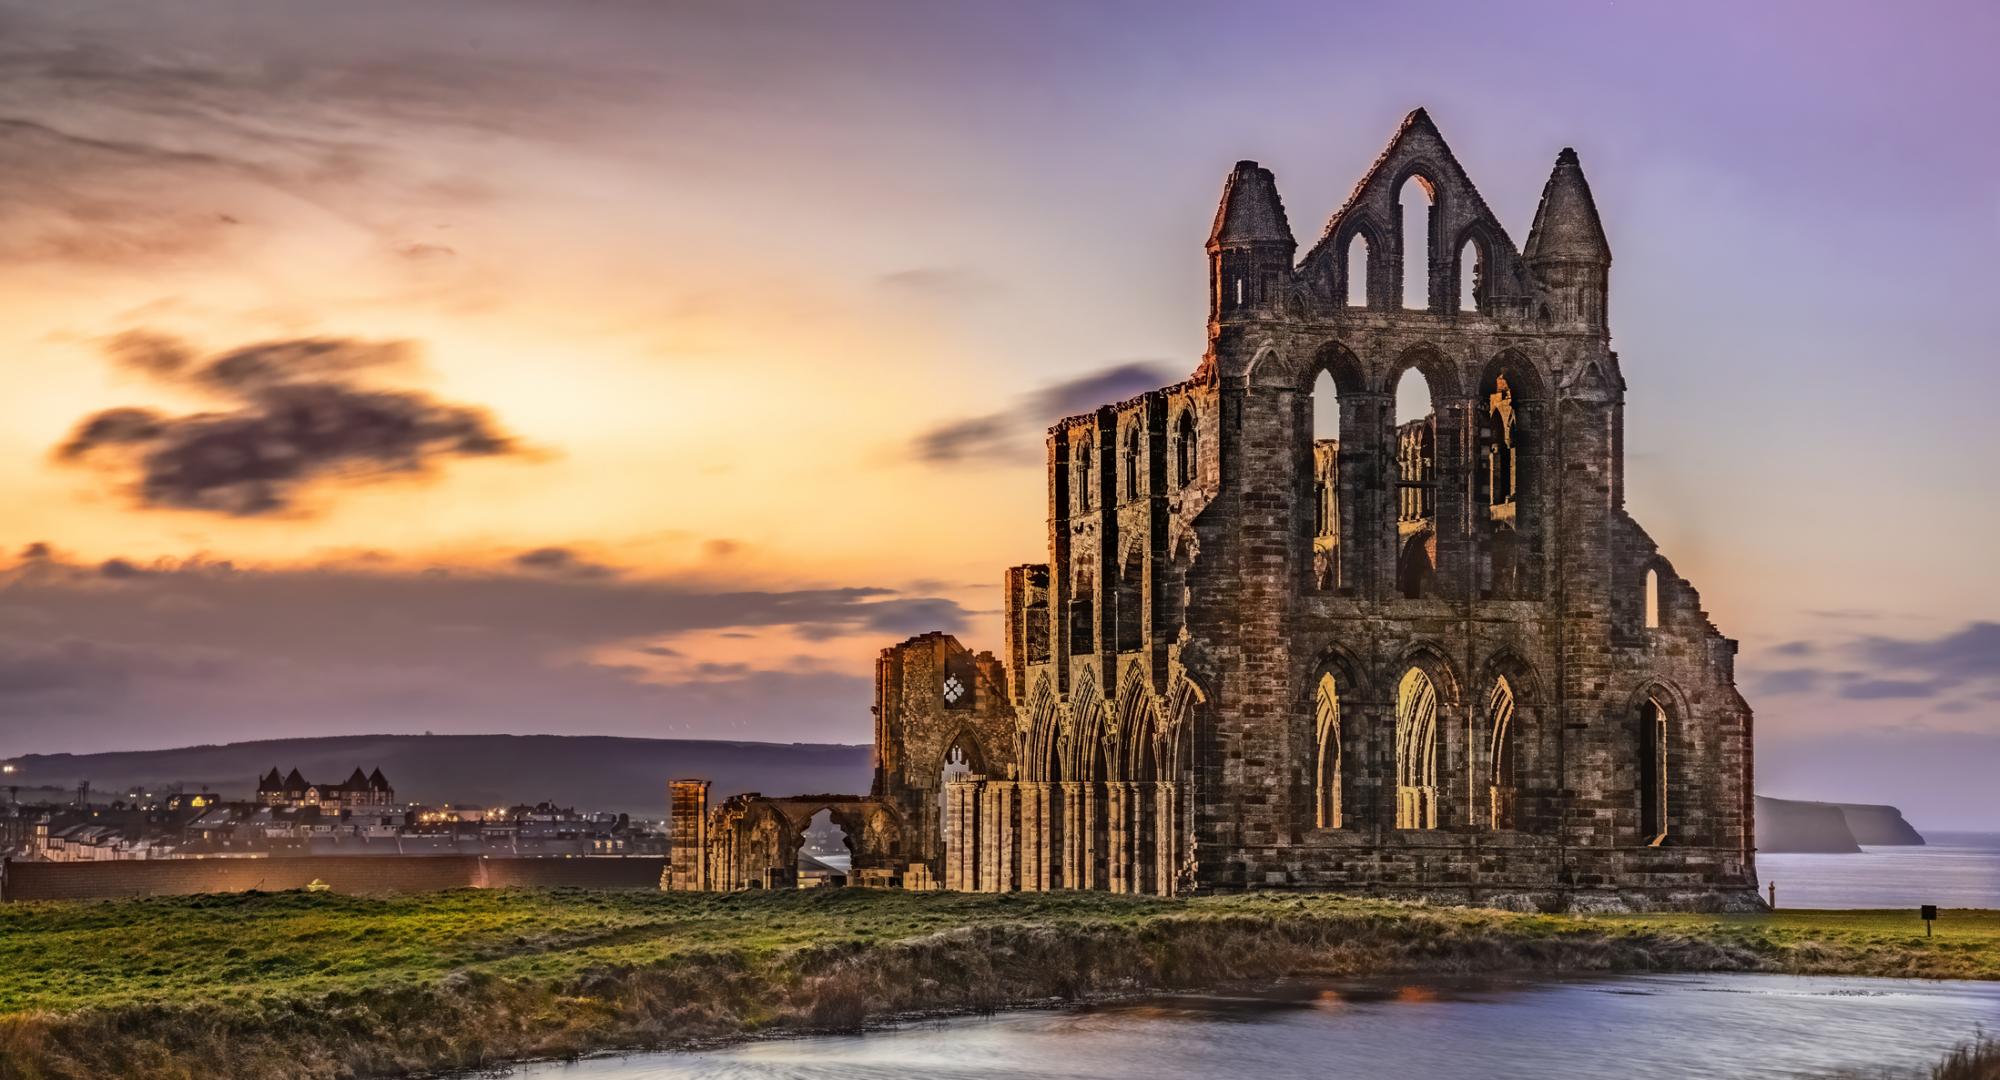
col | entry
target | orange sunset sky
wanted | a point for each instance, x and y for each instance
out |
(727, 337)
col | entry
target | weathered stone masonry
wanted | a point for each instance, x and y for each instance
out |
(1430, 658)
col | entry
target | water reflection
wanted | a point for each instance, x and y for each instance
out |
(1630, 1028)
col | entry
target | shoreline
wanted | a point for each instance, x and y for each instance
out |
(458, 985)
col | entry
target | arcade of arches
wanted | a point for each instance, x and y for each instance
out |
(1357, 605)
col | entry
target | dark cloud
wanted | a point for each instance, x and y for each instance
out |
(561, 561)
(1970, 652)
(296, 418)
(1883, 689)
(974, 437)
(1962, 664)
(1785, 681)
(180, 652)
(1008, 436)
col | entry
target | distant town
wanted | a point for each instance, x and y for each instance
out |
(293, 816)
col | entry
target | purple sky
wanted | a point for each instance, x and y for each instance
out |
(732, 329)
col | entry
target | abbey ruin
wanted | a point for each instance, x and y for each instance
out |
(1287, 638)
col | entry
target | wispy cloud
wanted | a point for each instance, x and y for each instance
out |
(1007, 437)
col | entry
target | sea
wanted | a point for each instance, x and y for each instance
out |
(1951, 870)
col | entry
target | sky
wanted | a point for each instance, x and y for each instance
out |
(644, 369)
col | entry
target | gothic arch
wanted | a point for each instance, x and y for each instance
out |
(1087, 758)
(1433, 661)
(1138, 728)
(1038, 758)
(1437, 367)
(1661, 726)
(1271, 366)
(1350, 375)
(1370, 234)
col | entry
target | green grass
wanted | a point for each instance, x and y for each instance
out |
(320, 985)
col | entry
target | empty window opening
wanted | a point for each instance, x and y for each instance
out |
(1082, 470)
(826, 855)
(1416, 487)
(1132, 462)
(1416, 752)
(1357, 271)
(1500, 782)
(1239, 292)
(1652, 599)
(956, 767)
(1326, 724)
(1184, 450)
(1326, 481)
(1503, 459)
(1472, 277)
(1653, 773)
(1418, 212)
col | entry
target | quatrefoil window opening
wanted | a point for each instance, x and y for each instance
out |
(953, 689)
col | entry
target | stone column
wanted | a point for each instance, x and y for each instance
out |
(1117, 838)
(1076, 826)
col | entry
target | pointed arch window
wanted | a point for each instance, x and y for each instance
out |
(1132, 462)
(1184, 450)
(1419, 240)
(1416, 752)
(1357, 270)
(1473, 283)
(1326, 725)
(1653, 737)
(1652, 599)
(1082, 472)
(1500, 755)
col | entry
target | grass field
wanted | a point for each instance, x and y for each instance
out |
(298, 985)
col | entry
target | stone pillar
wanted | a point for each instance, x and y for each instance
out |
(1166, 838)
(1075, 826)
(688, 869)
(1117, 839)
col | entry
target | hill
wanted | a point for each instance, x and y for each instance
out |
(587, 771)
(1791, 825)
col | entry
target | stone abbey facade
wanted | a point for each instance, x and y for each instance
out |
(1285, 640)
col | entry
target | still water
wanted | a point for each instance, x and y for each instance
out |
(1628, 1028)
(1958, 870)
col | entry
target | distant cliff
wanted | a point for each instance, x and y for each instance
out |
(586, 771)
(1790, 825)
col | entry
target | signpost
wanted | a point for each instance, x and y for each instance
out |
(1929, 912)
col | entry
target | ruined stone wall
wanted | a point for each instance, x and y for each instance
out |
(1224, 700)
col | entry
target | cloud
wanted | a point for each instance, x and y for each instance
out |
(1785, 681)
(1880, 689)
(939, 282)
(132, 140)
(1007, 436)
(125, 653)
(1970, 652)
(561, 561)
(1953, 668)
(297, 419)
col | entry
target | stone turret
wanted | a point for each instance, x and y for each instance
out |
(1250, 248)
(1567, 252)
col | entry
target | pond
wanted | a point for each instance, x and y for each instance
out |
(1629, 1028)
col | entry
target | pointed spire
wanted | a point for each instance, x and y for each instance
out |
(1251, 212)
(1566, 226)
(377, 781)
